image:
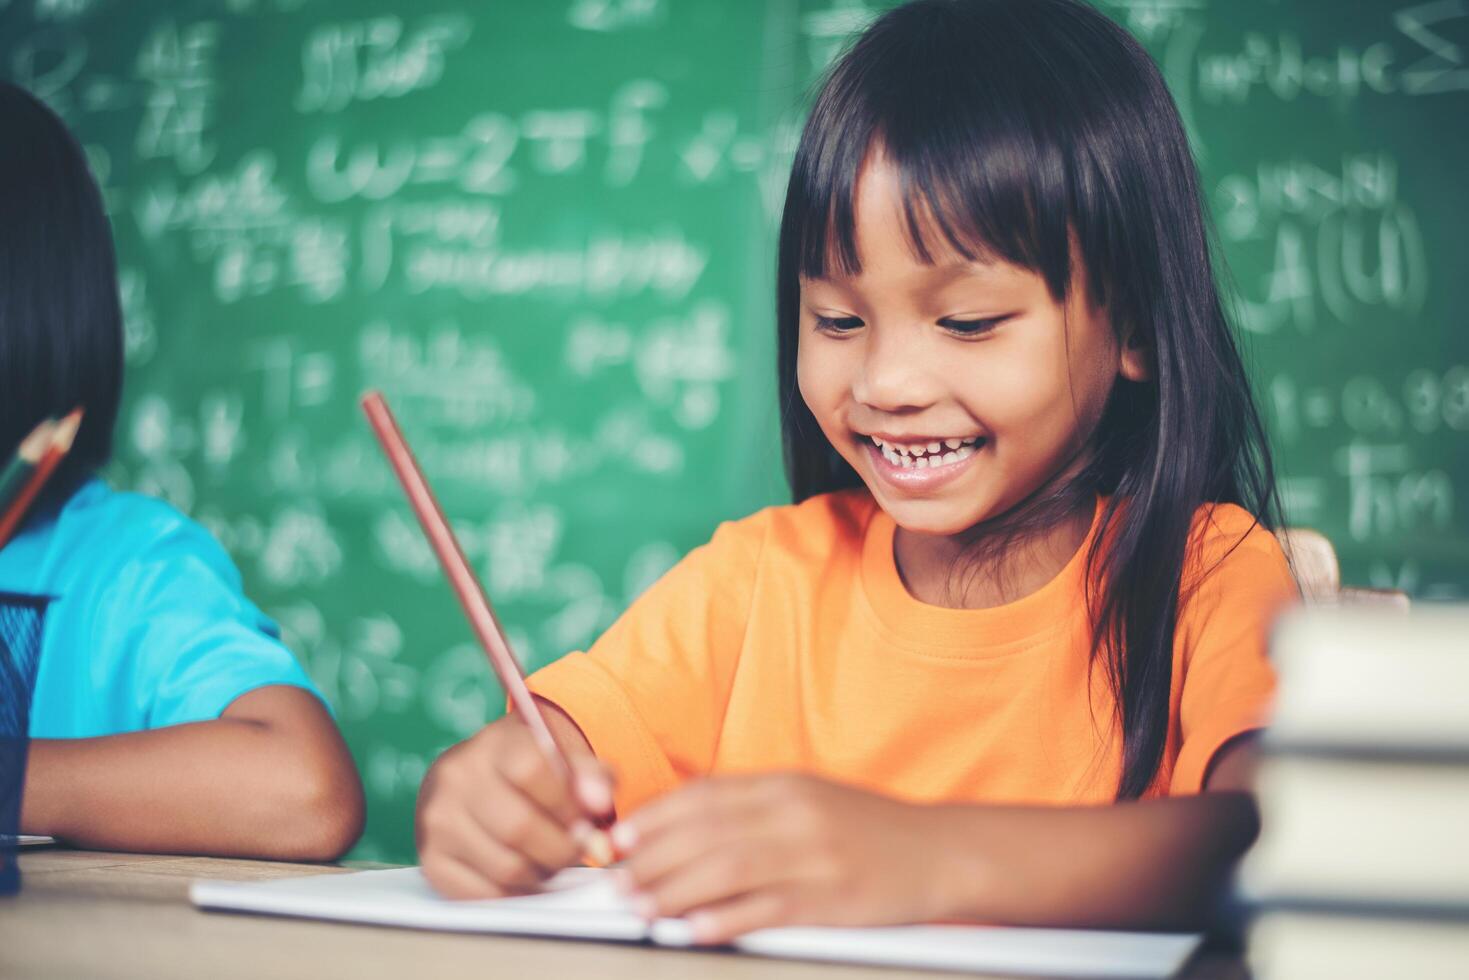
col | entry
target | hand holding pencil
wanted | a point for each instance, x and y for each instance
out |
(503, 811)
(494, 818)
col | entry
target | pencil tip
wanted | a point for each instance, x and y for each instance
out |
(598, 849)
(33, 446)
(66, 430)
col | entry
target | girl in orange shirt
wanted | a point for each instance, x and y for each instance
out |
(1001, 657)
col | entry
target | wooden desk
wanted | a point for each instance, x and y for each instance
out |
(93, 914)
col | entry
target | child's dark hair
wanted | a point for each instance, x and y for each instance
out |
(61, 339)
(1015, 124)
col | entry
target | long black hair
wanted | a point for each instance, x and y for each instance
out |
(61, 334)
(1016, 124)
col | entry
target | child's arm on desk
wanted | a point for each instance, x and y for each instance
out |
(743, 853)
(269, 778)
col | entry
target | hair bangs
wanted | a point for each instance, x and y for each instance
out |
(980, 176)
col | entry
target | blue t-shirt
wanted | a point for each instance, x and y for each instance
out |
(146, 624)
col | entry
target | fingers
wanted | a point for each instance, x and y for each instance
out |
(592, 783)
(707, 801)
(472, 864)
(589, 792)
(516, 822)
(588, 798)
(677, 848)
(454, 879)
(703, 844)
(521, 764)
(495, 817)
(723, 921)
(718, 875)
(452, 838)
(644, 870)
(554, 830)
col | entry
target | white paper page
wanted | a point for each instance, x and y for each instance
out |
(1081, 953)
(579, 902)
(583, 903)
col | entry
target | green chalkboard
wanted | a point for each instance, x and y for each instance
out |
(1334, 144)
(545, 230)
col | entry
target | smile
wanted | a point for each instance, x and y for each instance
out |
(925, 454)
(924, 466)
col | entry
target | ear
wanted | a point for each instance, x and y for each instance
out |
(1135, 359)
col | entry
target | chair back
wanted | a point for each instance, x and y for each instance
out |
(1313, 560)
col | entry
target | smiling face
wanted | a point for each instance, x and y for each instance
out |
(973, 365)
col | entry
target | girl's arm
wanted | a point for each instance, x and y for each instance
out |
(270, 778)
(1148, 864)
(737, 853)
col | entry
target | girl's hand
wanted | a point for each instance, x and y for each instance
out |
(495, 819)
(734, 854)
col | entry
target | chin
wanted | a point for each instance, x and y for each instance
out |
(937, 517)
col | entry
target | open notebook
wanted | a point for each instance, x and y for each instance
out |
(582, 903)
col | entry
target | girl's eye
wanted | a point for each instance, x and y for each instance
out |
(972, 328)
(965, 328)
(844, 324)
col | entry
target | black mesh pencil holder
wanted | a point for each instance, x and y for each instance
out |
(21, 621)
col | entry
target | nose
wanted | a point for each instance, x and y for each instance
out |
(894, 377)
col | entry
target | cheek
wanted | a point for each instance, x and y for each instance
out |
(805, 382)
(818, 378)
(1095, 358)
(1015, 393)
(1041, 388)
(1093, 373)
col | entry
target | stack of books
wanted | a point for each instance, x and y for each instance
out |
(1362, 866)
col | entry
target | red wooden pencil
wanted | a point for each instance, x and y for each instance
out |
(466, 586)
(62, 436)
(17, 473)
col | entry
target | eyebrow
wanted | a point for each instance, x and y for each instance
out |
(944, 274)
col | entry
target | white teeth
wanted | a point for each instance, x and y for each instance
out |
(913, 456)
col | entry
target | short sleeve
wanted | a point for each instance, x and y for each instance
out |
(650, 693)
(177, 617)
(1243, 584)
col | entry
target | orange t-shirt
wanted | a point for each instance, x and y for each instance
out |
(789, 642)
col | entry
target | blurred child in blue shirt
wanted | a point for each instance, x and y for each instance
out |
(165, 713)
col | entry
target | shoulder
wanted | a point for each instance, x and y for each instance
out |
(97, 504)
(812, 531)
(1221, 530)
(1228, 544)
(105, 532)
